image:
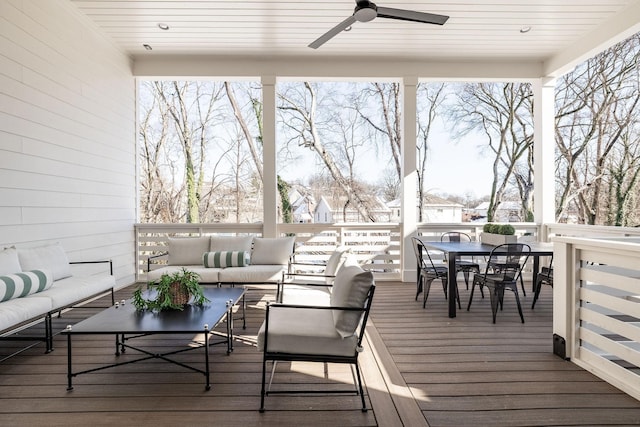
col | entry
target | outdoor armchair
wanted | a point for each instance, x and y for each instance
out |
(320, 333)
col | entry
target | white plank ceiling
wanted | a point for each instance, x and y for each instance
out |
(477, 29)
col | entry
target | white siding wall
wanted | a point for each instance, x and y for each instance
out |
(67, 132)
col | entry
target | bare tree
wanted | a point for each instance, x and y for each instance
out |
(302, 121)
(503, 112)
(430, 98)
(597, 108)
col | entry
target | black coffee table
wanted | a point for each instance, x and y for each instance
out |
(126, 324)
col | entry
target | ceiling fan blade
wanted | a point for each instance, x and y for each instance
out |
(333, 32)
(411, 15)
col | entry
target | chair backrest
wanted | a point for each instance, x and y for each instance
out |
(455, 236)
(508, 259)
(335, 261)
(420, 252)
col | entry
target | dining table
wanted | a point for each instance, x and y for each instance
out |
(453, 250)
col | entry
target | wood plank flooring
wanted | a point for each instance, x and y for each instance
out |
(420, 367)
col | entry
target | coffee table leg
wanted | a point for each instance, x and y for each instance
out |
(206, 357)
(69, 375)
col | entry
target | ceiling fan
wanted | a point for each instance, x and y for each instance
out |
(366, 11)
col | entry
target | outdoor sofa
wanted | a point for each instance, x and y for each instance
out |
(233, 260)
(37, 282)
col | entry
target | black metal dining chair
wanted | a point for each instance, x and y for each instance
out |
(502, 272)
(545, 277)
(428, 272)
(466, 266)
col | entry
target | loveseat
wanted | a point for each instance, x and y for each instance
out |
(38, 282)
(225, 259)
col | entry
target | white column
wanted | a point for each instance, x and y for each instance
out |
(409, 178)
(544, 152)
(270, 197)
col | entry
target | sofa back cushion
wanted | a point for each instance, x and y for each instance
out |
(350, 289)
(231, 243)
(335, 261)
(51, 257)
(9, 262)
(272, 251)
(222, 259)
(25, 283)
(187, 250)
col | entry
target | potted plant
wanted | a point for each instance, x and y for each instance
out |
(498, 234)
(172, 291)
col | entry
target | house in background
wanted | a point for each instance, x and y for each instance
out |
(508, 211)
(434, 210)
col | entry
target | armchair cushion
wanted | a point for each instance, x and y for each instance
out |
(350, 289)
(187, 250)
(272, 251)
(335, 261)
(224, 259)
(304, 331)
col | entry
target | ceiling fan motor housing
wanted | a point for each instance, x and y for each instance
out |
(365, 11)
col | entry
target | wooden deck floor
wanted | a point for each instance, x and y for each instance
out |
(420, 367)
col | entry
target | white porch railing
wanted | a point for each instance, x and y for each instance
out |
(596, 307)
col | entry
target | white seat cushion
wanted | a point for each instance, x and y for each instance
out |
(306, 295)
(305, 331)
(16, 311)
(75, 288)
(207, 275)
(252, 274)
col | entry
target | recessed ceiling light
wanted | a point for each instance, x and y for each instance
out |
(524, 30)
(148, 47)
(163, 26)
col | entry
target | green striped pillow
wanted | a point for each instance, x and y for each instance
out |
(26, 283)
(222, 259)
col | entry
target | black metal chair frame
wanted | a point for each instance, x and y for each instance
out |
(462, 265)
(428, 272)
(325, 358)
(545, 276)
(503, 271)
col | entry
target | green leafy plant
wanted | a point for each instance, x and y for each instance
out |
(166, 289)
(504, 229)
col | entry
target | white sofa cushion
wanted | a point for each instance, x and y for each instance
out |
(72, 289)
(187, 250)
(252, 274)
(231, 243)
(24, 283)
(9, 262)
(207, 275)
(222, 259)
(19, 310)
(350, 289)
(335, 261)
(276, 250)
(50, 257)
(306, 331)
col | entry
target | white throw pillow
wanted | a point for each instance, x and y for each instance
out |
(336, 260)
(9, 262)
(231, 243)
(187, 250)
(52, 258)
(271, 251)
(350, 289)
